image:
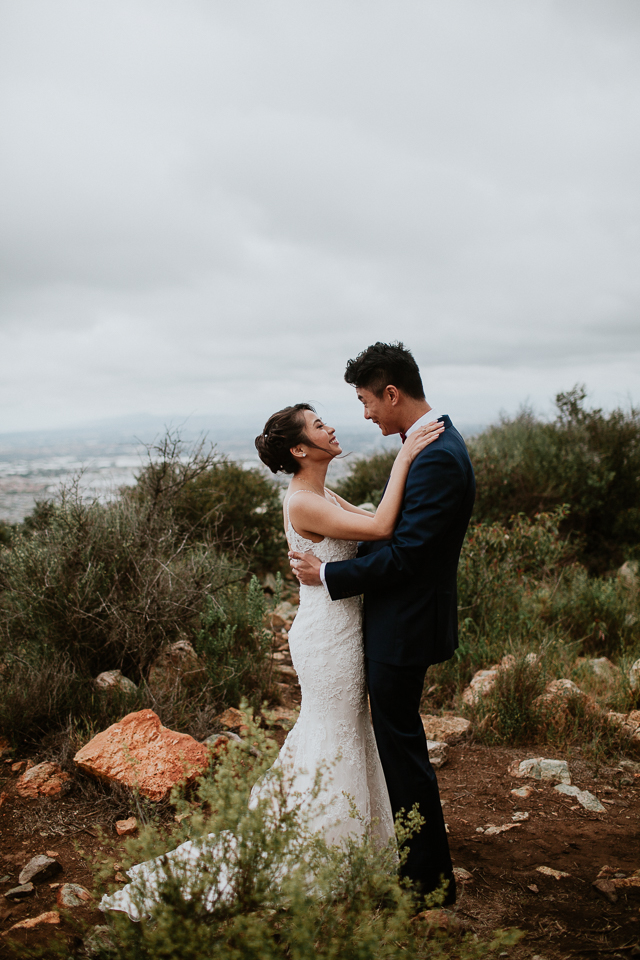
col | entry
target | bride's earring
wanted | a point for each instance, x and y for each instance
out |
(303, 454)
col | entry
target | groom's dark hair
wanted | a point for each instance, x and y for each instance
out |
(383, 365)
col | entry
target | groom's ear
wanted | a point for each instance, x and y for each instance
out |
(392, 394)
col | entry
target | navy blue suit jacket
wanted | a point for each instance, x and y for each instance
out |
(409, 582)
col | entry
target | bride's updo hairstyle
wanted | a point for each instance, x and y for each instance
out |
(283, 430)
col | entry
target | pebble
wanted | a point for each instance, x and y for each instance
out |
(523, 792)
(551, 872)
(49, 917)
(520, 815)
(126, 828)
(73, 895)
(438, 753)
(39, 868)
(607, 889)
(19, 893)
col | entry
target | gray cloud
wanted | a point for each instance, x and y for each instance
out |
(210, 207)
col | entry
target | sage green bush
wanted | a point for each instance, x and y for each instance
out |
(520, 592)
(106, 585)
(87, 587)
(215, 500)
(584, 458)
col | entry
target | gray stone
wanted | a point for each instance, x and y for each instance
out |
(538, 768)
(493, 831)
(438, 753)
(607, 889)
(602, 667)
(283, 615)
(634, 675)
(584, 798)
(560, 693)
(73, 895)
(270, 583)
(628, 573)
(39, 868)
(523, 792)
(627, 723)
(19, 893)
(482, 683)
(114, 680)
(177, 665)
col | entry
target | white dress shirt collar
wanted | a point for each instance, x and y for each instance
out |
(426, 418)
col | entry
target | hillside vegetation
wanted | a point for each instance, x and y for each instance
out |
(548, 588)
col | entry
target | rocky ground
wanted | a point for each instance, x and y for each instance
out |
(527, 854)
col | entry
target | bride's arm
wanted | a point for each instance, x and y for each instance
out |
(318, 516)
(349, 506)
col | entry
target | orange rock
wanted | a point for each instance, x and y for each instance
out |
(142, 754)
(44, 780)
(232, 719)
(126, 828)
(49, 917)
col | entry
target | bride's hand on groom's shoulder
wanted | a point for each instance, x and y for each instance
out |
(421, 438)
(306, 568)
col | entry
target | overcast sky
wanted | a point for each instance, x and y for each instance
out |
(209, 206)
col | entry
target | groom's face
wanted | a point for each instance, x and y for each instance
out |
(381, 410)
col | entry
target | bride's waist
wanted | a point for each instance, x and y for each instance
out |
(314, 597)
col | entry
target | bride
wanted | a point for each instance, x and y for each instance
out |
(334, 728)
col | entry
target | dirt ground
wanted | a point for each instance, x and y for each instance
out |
(564, 917)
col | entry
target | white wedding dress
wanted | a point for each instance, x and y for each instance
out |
(333, 736)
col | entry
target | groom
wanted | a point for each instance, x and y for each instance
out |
(410, 603)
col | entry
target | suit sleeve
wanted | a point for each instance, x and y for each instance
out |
(435, 488)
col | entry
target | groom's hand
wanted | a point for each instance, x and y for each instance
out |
(306, 568)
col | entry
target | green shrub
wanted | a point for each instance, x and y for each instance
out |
(584, 458)
(105, 585)
(215, 500)
(6, 533)
(509, 713)
(500, 573)
(602, 614)
(519, 592)
(87, 587)
(46, 702)
(366, 479)
(235, 644)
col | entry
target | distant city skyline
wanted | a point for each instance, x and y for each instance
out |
(208, 208)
